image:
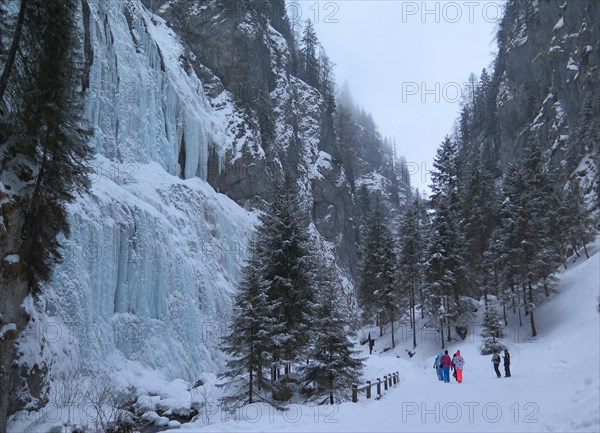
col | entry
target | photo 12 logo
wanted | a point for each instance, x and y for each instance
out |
(452, 12)
(469, 411)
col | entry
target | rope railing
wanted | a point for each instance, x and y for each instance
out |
(389, 381)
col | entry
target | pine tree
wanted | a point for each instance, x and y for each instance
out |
(543, 232)
(47, 139)
(479, 219)
(248, 342)
(328, 140)
(44, 146)
(347, 135)
(576, 219)
(363, 210)
(288, 271)
(531, 229)
(410, 258)
(310, 46)
(509, 236)
(378, 291)
(333, 366)
(445, 263)
(492, 331)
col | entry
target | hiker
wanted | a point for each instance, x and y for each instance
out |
(506, 363)
(371, 344)
(446, 363)
(454, 367)
(459, 363)
(496, 361)
(437, 364)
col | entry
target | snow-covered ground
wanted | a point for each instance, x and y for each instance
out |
(555, 383)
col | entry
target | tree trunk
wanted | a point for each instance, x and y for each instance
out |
(250, 385)
(504, 314)
(586, 251)
(514, 304)
(525, 299)
(392, 323)
(442, 331)
(14, 47)
(414, 320)
(533, 330)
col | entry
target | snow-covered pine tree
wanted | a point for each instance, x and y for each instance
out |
(509, 236)
(445, 263)
(378, 291)
(248, 342)
(479, 219)
(576, 219)
(288, 272)
(543, 234)
(410, 258)
(333, 367)
(492, 331)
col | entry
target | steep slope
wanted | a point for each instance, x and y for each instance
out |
(547, 82)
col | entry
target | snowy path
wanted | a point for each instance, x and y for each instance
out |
(555, 383)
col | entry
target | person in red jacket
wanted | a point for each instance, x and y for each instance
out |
(446, 363)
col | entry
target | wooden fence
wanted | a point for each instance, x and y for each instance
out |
(389, 381)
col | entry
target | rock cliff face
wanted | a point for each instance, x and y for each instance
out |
(242, 53)
(547, 70)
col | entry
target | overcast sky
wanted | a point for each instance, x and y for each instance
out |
(406, 62)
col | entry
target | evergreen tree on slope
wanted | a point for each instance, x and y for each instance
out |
(333, 366)
(378, 292)
(249, 339)
(444, 268)
(410, 258)
(288, 271)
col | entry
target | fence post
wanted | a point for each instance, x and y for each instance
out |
(385, 382)
(378, 387)
(398, 377)
(390, 379)
(354, 393)
(368, 389)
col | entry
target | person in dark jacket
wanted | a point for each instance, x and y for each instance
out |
(454, 367)
(446, 363)
(496, 361)
(506, 363)
(437, 364)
